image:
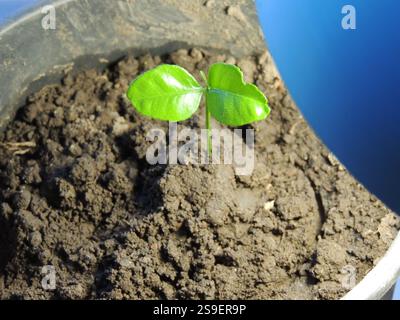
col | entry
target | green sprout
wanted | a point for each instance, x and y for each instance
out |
(170, 93)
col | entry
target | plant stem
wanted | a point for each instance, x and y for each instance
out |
(204, 77)
(208, 126)
(208, 118)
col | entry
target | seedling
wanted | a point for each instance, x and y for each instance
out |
(170, 93)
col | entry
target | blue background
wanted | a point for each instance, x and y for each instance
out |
(345, 82)
(10, 8)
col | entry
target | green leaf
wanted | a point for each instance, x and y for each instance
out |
(167, 92)
(230, 100)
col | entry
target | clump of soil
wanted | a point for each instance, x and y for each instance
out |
(77, 193)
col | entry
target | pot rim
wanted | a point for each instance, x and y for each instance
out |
(381, 278)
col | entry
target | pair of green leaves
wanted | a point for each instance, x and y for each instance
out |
(170, 93)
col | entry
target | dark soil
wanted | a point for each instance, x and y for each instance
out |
(77, 193)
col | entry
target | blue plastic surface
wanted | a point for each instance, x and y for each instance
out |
(346, 82)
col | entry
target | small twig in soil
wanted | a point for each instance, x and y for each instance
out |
(18, 148)
(293, 128)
